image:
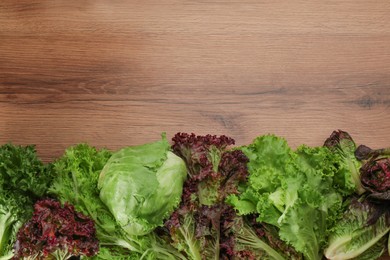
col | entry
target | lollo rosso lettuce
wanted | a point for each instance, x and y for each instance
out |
(56, 231)
(142, 185)
(205, 226)
(195, 227)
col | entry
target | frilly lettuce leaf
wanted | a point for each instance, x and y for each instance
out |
(23, 179)
(76, 182)
(292, 190)
(343, 146)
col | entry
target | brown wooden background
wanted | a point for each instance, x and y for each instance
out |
(116, 73)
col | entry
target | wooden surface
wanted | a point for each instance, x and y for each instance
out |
(115, 73)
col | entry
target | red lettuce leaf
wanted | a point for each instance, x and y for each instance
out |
(54, 229)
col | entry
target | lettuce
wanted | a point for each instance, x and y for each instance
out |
(22, 172)
(195, 228)
(56, 232)
(362, 232)
(375, 172)
(23, 179)
(249, 239)
(343, 146)
(76, 182)
(295, 191)
(142, 185)
(204, 226)
(13, 212)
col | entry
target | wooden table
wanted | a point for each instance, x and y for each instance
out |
(116, 73)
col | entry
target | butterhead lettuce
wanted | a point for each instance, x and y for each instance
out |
(142, 185)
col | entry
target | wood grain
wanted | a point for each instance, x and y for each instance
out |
(115, 73)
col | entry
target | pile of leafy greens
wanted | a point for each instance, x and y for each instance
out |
(298, 192)
(23, 179)
(362, 232)
(75, 182)
(120, 193)
(204, 226)
(199, 198)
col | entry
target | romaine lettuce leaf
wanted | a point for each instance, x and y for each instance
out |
(354, 234)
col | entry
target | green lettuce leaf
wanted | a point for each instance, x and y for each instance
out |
(343, 146)
(21, 171)
(292, 190)
(23, 179)
(355, 236)
(14, 212)
(374, 252)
